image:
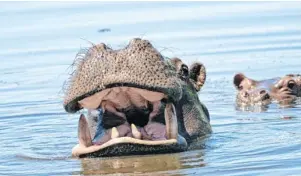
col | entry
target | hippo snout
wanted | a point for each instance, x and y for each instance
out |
(254, 96)
(264, 95)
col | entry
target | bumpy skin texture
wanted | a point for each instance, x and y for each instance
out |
(101, 67)
(282, 89)
(140, 65)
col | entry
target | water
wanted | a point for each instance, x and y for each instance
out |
(39, 40)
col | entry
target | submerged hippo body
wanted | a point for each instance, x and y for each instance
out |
(284, 90)
(139, 102)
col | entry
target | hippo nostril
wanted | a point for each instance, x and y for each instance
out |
(246, 94)
(263, 92)
(267, 96)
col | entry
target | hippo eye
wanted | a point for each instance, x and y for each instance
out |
(184, 70)
(240, 87)
(291, 84)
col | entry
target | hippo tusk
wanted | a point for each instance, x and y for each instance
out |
(171, 121)
(84, 136)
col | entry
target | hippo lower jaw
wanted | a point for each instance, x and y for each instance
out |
(130, 146)
(134, 133)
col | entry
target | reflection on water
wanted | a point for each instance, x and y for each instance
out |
(138, 164)
(150, 164)
(264, 108)
(40, 39)
(252, 108)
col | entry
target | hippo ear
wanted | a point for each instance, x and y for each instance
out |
(198, 75)
(238, 78)
(84, 136)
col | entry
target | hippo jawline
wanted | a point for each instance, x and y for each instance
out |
(134, 142)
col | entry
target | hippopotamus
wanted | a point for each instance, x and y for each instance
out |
(283, 90)
(138, 101)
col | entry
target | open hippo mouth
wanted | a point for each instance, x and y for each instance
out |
(130, 121)
(134, 91)
(145, 103)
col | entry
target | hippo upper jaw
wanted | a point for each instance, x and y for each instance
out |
(138, 65)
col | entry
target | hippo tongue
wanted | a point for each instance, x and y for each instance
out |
(160, 131)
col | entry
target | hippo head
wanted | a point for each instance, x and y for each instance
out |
(291, 84)
(251, 92)
(139, 102)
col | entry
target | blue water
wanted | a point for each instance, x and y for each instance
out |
(39, 41)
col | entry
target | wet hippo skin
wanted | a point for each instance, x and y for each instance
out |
(138, 101)
(283, 90)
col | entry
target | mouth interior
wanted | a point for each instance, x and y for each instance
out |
(131, 115)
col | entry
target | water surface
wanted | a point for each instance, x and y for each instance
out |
(39, 41)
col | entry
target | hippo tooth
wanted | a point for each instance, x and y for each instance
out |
(171, 121)
(84, 135)
(135, 132)
(114, 133)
